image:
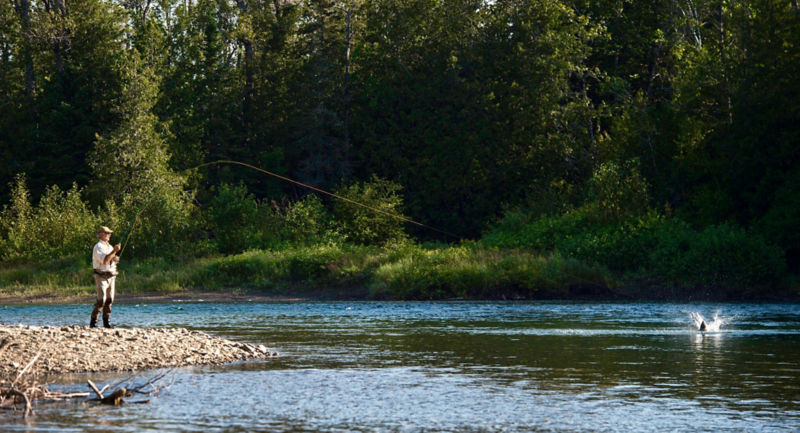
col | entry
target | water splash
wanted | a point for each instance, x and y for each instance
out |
(701, 324)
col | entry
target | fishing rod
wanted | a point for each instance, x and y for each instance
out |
(286, 179)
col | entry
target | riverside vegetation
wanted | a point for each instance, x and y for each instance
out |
(576, 147)
(302, 248)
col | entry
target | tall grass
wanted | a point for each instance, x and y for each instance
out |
(403, 271)
(472, 272)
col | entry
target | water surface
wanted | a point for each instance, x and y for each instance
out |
(457, 366)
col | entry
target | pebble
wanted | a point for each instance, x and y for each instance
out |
(76, 349)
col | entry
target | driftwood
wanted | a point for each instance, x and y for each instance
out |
(12, 394)
(94, 388)
(16, 393)
(114, 398)
(24, 390)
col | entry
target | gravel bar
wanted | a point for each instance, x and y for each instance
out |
(79, 349)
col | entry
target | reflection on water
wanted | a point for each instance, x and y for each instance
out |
(459, 367)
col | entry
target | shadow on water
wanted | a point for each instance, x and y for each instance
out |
(461, 366)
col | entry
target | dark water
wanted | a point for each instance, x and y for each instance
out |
(461, 367)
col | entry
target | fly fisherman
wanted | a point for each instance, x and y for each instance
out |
(104, 261)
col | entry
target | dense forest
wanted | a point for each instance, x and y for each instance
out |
(649, 138)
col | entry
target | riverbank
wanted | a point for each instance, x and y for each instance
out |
(402, 272)
(199, 296)
(47, 350)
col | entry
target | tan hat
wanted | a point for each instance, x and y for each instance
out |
(104, 229)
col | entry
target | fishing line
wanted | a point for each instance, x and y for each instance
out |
(372, 208)
(286, 179)
(321, 191)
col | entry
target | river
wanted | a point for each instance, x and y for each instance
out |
(455, 367)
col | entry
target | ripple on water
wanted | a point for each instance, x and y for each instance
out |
(460, 367)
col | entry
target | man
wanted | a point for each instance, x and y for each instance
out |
(104, 261)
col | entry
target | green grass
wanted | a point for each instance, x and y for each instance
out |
(472, 272)
(405, 271)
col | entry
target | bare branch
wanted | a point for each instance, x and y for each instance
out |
(24, 370)
(95, 389)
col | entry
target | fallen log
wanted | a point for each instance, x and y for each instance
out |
(25, 399)
(115, 397)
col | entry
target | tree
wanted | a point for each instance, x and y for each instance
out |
(131, 165)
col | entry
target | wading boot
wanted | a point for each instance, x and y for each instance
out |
(93, 322)
(106, 323)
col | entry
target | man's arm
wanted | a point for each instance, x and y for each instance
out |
(107, 259)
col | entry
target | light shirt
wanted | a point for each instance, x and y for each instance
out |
(99, 252)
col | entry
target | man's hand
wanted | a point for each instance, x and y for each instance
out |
(111, 256)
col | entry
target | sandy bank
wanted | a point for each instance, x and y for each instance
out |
(74, 349)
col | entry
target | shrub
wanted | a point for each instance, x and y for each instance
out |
(721, 255)
(778, 225)
(626, 245)
(545, 233)
(60, 224)
(618, 190)
(233, 218)
(307, 221)
(378, 225)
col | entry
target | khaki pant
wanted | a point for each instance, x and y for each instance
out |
(105, 296)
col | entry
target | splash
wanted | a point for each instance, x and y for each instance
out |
(701, 324)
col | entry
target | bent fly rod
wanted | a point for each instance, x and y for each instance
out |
(286, 179)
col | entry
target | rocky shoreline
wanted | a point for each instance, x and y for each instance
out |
(79, 349)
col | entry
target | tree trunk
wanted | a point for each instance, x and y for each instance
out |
(59, 8)
(249, 80)
(278, 8)
(145, 11)
(23, 10)
(726, 90)
(348, 39)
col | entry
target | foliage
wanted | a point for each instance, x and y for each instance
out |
(308, 222)
(408, 272)
(718, 256)
(59, 225)
(131, 168)
(469, 272)
(722, 255)
(553, 125)
(618, 191)
(379, 224)
(233, 218)
(623, 246)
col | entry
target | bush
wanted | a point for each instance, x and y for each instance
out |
(652, 244)
(623, 246)
(233, 218)
(60, 224)
(321, 265)
(163, 223)
(365, 226)
(518, 230)
(778, 225)
(721, 255)
(618, 191)
(308, 222)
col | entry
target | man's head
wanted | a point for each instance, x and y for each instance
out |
(104, 233)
